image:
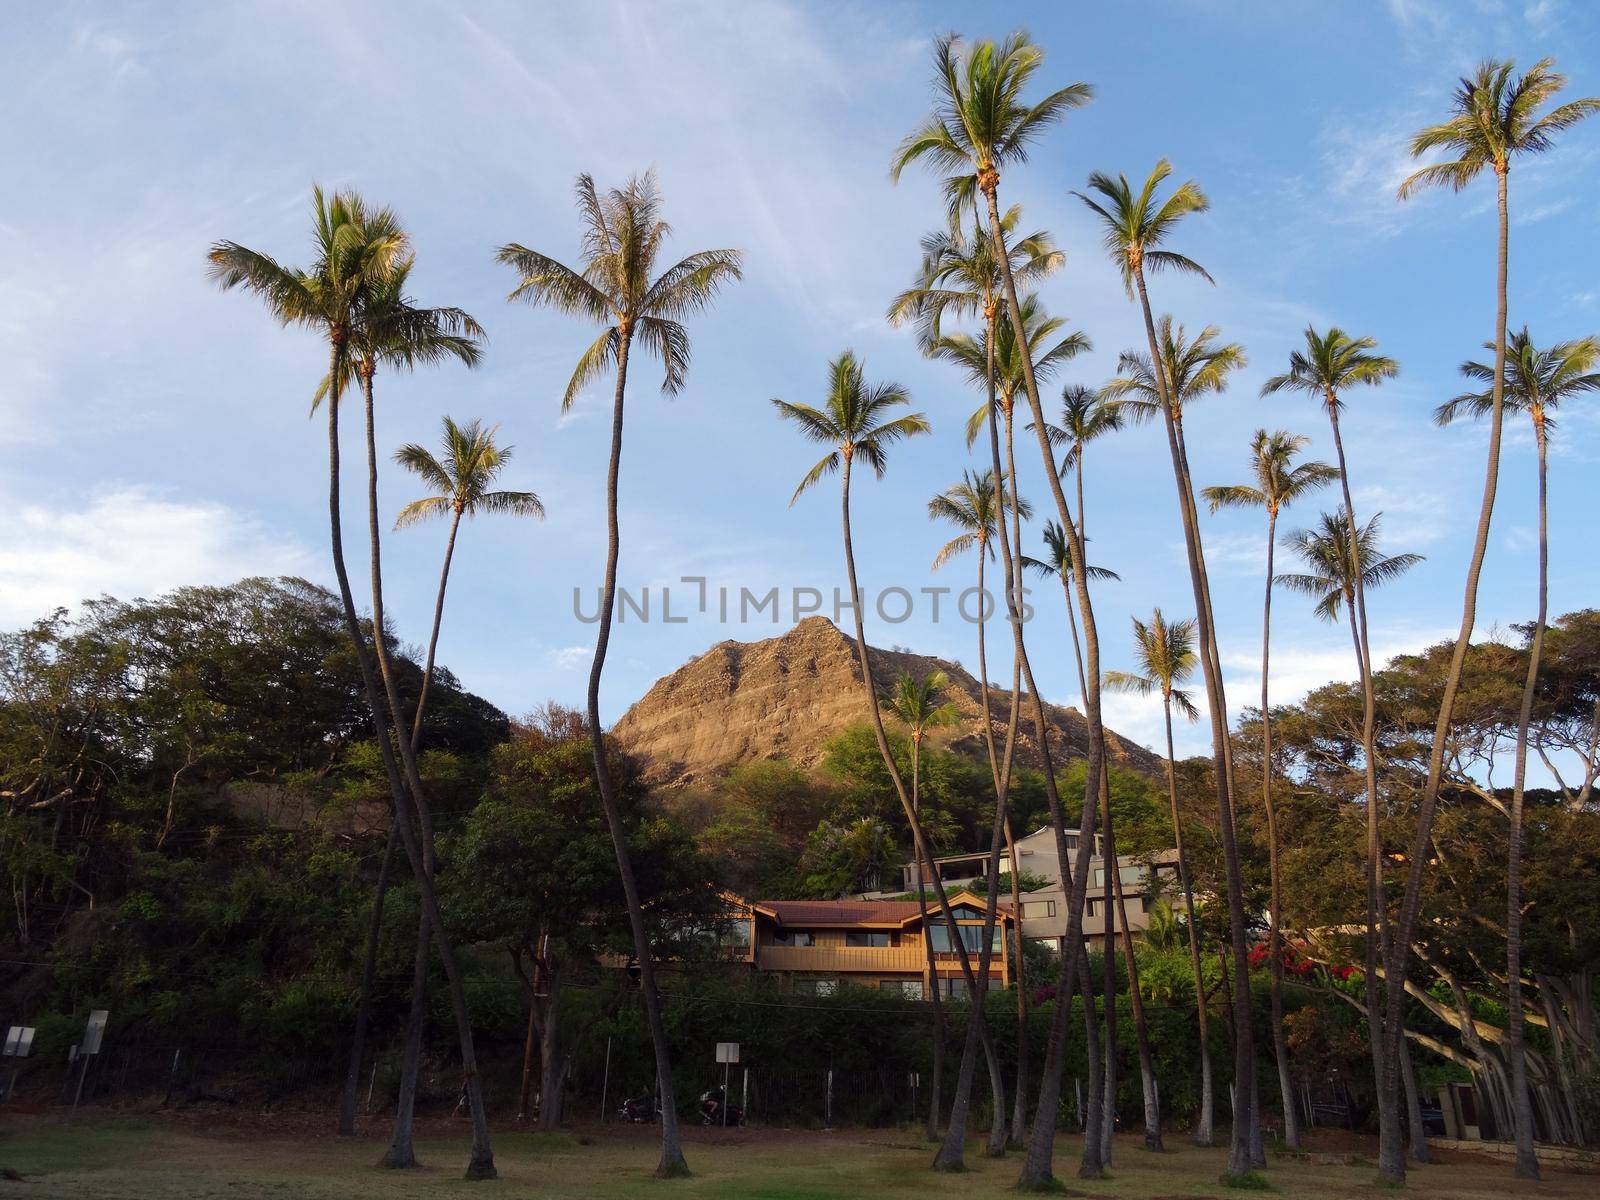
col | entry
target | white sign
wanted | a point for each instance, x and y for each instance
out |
(19, 1040)
(727, 1052)
(94, 1031)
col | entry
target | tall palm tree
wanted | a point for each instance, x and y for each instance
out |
(976, 507)
(1331, 364)
(1336, 566)
(1136, 227)
(918, 705)
(856, 421)
(962, 276)
(1165, 653)
(1536, 382)
(1278, 482)
(1086, 416)
(617, 288)
(980, 125)
(1495, 119)
(358, 250)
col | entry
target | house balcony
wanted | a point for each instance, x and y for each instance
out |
(842, 959)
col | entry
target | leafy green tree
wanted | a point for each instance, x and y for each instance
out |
(618, 289)
(1495, 119)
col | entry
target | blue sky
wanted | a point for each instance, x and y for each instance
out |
(157, 431)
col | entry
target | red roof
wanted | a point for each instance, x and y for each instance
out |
(856, 912)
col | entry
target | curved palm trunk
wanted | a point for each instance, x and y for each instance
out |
(951, 1152)
(1019, 1099)
(401, 1152)
(1239, 1157)
(1205, 1130)
(481, 1163)
(369, 970)
(1147, 1072)
(1280, 1041)
(1037, 1173)
(672, 1163)
(1388, 1102)
(1092, 1162)
(1526, 1165)
(1108, 990)
(924, 868)
(1391, 1149)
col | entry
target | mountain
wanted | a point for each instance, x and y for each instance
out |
(785, 697)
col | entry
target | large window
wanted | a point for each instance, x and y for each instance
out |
(971, 937)
(816, 987)
(735, 934)
(911, 989)
(793, 937)
(1033, 910)
(868, 937)
(1130, 876)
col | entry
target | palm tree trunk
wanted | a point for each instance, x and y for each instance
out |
(1092, 1162)
(347, 1105)
(369, 970)
(1019, 1100)
(1280, 1041)
(1036, 1171)
(1108, 990)
(433, 637)
(1388, 1101)
(1205, 1130)
(1239, 1158)
(1147, 1073)
(401, 1154)
(672, 1163)
(924, 868)
(1527, 1162)
(481, 1164)
(951, 1152)
(1392, 1151)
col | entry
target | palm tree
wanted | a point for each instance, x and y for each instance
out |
(358, 251)
(1136, 227)
(1495, 119)
(980, 125)
(1536, 382)
(1165, 652)
(1086, 416)
(617, 288)
(1279, 482)
(856, 421)
(961, 275)
(1331, 364)
(917, 704)
(1336, 567)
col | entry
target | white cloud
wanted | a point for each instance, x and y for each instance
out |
(126, 542)
(569, 658)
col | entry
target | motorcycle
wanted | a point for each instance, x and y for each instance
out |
(712, 1104)
(638, 1110)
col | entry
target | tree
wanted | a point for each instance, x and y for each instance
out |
(1279, 482)
(1136, 227)
(980, 125)
(856, 421)
(358, 249)
(1495, 118)
(1535, 382)
(1165, 652)
(616, 288)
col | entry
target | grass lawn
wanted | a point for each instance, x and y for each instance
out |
(129, 1158)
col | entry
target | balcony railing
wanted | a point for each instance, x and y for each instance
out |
(840, 958)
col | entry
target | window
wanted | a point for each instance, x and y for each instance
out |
(971, 938)
(867, 937)
(735, 934)
(1033, 910)
(1133, 876)
(910, 989)
(1093, 907)
(953, 988)
(816, 987)
(793, 937)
